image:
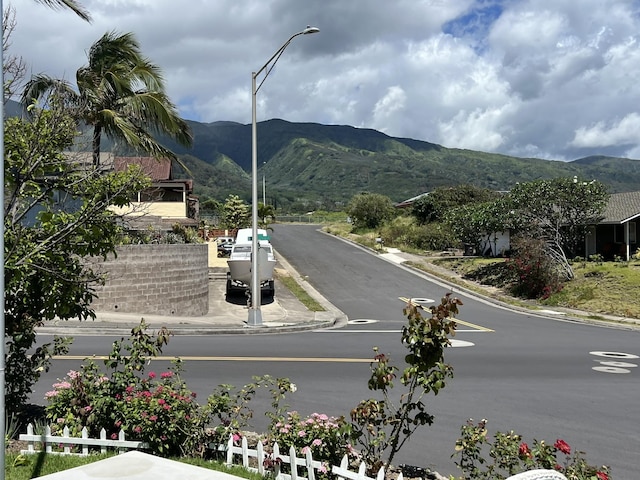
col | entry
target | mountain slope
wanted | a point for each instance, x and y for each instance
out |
(330, 163)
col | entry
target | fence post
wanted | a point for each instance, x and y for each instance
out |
(30, 444)
(276, 464)
(65, 434)
(293, 461)
(230, 450)
(47, 433)
(85, 447)
(260, 451)
(103, 436)
(311, 473)
(245, 452)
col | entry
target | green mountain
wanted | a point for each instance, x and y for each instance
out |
(325, 165)
(310, 165)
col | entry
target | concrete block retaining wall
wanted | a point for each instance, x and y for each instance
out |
(168, 280)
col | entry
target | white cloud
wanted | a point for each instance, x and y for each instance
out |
(623, 132)
(550, 78)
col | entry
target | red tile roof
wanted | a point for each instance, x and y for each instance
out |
(157, 168)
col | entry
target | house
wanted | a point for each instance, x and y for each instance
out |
(616, 234)
(168, 201)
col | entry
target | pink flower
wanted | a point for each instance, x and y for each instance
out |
(153, 418)
(305, 450)
(166, 375)
(602, 476)
(317, 442)
(152, 375)
(114, 436)
(161, 401)
(167, 407)
(284, 430)
(302, 433)
(73, 374)
(137, 429)
(236, 438)
(118, 423)
(323, 468)
(50, 394)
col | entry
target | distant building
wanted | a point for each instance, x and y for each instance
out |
(168, 201)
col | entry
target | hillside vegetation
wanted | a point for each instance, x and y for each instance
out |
(322, 166)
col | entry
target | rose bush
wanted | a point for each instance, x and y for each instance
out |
(509, 455)
(157, 409)
(327, 438)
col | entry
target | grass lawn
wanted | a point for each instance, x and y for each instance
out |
(598, 287)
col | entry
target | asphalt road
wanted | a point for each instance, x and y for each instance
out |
(535, 375)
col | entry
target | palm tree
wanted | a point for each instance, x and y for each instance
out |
(70, 4)
(119, 93)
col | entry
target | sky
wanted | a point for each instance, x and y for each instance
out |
(552, 79)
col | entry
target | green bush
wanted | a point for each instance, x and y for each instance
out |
(326, 437)
(157, 409)
(432, 236)
(533, 272)
(508, 455)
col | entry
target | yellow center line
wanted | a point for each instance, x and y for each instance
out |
(230, 359)
(457, 320)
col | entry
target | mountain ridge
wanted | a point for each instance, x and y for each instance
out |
(328, 164)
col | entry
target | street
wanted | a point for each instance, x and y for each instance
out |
(542, 377)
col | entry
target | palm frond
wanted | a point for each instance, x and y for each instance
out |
(71, 5)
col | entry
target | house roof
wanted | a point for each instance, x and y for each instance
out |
(410, 201)
(622, 207)
(158, 169)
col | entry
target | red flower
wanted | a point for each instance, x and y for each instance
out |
(524, 451)
(602, 476)
(562, 446)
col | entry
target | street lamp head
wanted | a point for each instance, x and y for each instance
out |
(310, 29)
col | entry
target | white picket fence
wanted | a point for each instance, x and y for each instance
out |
(68, 443)
(253, 459)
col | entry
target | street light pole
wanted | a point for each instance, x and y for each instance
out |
(255, 313)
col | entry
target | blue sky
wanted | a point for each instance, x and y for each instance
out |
(554, 79)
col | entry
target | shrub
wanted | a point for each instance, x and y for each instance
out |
(509, 455)
(326, 437)
(533, 272)
(157, 409)
(433, 236)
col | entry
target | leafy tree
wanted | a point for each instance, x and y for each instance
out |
(235, 213)
(55, 217)
(434, 206)
(370, 210)
(559, 211)
(472, 223)
(120, 93)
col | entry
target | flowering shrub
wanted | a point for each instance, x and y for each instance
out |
(227, 410)
(510, 455)
(159, 410)
(326, 437)
(533, 272)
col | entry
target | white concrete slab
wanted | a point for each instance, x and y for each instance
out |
(139, 466)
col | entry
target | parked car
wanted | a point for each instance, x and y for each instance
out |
(225, 244)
